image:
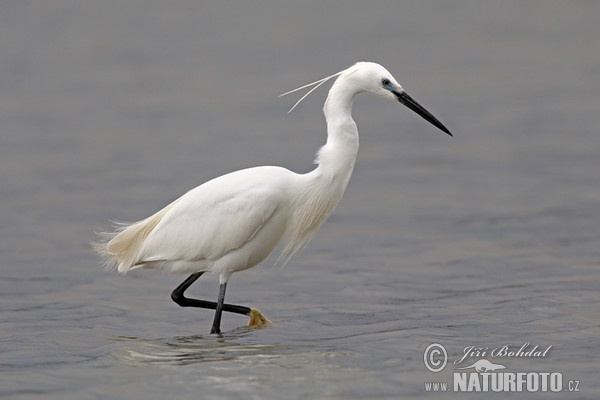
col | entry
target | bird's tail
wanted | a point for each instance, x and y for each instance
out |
(120, 248)
(115, 257)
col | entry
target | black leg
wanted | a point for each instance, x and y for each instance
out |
(177, 294)
(178, 297)
(216, 328)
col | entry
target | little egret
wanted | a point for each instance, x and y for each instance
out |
(234, 221)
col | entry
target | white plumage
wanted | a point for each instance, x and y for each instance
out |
(229, 223)
(233, 222)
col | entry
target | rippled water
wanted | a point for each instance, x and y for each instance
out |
(111, 110)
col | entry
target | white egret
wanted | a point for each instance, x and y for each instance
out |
(234, 221)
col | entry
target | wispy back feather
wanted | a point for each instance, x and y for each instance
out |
(120, 248)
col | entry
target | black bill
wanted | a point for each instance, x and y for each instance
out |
(409, 102)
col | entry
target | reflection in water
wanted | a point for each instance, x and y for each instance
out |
(235, 365)
(184, 350)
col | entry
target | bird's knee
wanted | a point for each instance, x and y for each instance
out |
(178, 298)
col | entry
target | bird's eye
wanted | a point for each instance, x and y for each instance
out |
(385, 82)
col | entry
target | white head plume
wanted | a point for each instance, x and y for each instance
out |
(316, 85)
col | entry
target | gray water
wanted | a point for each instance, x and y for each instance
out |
(111, 109)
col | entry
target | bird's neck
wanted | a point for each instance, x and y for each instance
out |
(327, 183)
(337, 157)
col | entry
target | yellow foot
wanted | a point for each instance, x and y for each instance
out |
(257, 318)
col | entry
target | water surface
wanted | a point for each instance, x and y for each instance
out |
(110, 110)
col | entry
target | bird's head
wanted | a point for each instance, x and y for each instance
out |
(374, 78)
(370, 77)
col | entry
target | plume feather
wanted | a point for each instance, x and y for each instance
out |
(316, 85)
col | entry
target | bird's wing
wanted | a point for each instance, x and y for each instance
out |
(211, 220)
